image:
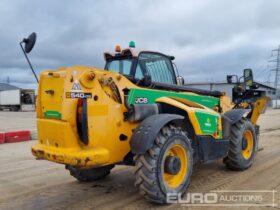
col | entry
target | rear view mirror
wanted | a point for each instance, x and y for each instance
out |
(248, 77)
(180, 80)
(28, 46)
(29, 42)
(229, 79)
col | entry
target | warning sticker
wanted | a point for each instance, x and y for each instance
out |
(76, 86)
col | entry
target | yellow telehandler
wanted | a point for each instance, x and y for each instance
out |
(137, 111)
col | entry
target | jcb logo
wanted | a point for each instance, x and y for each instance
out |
(141, 100)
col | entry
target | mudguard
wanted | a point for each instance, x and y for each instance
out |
(236, 114)
(145, 134)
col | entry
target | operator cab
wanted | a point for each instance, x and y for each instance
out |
(140, 65)
(149, 69)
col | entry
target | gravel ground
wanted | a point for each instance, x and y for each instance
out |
(13, 121)
(26, 183)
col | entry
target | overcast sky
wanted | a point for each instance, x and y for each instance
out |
(209, 38)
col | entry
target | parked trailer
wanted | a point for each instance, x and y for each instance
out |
(17, 100)
(276, 104)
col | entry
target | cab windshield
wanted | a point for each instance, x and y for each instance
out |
(122, 66)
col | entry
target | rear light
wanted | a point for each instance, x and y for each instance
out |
(82, 120)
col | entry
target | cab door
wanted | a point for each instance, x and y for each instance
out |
(158, 66)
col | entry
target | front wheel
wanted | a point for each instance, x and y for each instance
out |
(166, 167)
(242, 147)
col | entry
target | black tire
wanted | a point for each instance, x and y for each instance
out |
(235, 159)
(150, 169)
(88, 175)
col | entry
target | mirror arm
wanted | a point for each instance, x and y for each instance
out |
(176, 69)
(240, 79)
(31, 67)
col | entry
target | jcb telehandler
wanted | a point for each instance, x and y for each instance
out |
(136, 111)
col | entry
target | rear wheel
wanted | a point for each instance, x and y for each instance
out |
(242, 147)
(87, 175)
(166, 167)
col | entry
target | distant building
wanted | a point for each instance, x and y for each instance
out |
(226, 87)
(5, 86)
(16, 99)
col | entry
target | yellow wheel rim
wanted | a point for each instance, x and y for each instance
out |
(249, 141)
(174, 181)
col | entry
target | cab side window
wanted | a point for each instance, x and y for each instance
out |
(122, 66)
(114, 66)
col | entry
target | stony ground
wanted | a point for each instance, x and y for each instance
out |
(26, 183)
(13, 121)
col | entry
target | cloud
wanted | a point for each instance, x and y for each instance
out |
(209, 38)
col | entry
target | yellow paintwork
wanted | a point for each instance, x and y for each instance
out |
(190, 110)
(87, 78)
(191, 107)
(105, 119)
(259, 108)
(225, 103)
(58, 140)
(174, 181)
(244, 105)
(248, 137)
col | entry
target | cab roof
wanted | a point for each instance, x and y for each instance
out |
(131, 51)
